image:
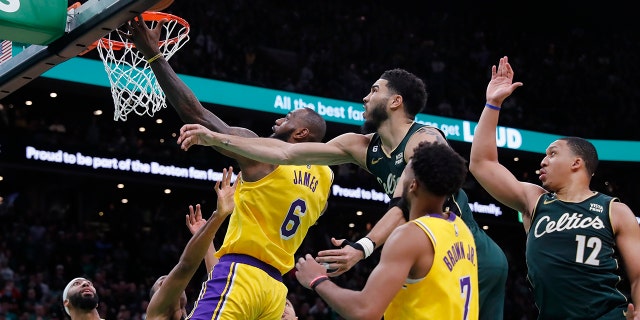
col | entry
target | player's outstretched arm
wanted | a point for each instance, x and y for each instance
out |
(194, 223)
(400, 254)
(270, 150)
(178, 94)
(341, 260)
(483, 164)
(627, 235)
(177, 280)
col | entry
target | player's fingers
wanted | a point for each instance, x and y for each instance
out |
(190, 216)
(188, 127)
(124, 34)
(239, 176)
(161, 23)
(181, 137)
(185, 144)
(330, 252)
(141, 22)
(198, 212)
(337, 242)
(227, 177)
(336, 272)
(331, 259)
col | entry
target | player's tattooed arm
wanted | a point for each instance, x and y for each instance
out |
(424, 134)
(431, 134)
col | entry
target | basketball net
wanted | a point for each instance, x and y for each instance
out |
(134, 87)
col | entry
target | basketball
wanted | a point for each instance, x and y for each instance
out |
(161, 5)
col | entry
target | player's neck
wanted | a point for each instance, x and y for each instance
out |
(441, 215)
(392, 131)
(91, 315)
(574, 193)
(427, 204)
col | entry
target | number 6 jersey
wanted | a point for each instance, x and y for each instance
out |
(572, 261)
(272, 215)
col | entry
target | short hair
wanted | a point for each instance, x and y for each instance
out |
(316, 124)
(439, 168)
(410, 87)
(155, 288)
(585, 150)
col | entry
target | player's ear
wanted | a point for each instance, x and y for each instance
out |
(577, 163)
(301, 134)
(396, 101)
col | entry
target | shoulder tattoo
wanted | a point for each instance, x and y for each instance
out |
(433, 132)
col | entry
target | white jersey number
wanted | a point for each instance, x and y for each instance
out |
(594, 243)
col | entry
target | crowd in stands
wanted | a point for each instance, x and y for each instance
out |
(578, 64)
(578, 81)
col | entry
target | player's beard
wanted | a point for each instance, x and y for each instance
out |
(284, 136)
(376, 117)
(81, 302)
(405, 197)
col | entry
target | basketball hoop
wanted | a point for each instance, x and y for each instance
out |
(133, 85)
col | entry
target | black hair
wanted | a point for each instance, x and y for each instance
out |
(316, 124)
(410, 87)
(439, 168)
(585, 150)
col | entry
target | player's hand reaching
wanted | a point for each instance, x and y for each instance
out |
(308, 270)
(145, 39)
(194, 219)
(195, 134)
(631, 313)
(225, 190)
(339, 261)
(501, 85)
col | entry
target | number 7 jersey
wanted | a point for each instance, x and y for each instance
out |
(272, 215)
(572, 261)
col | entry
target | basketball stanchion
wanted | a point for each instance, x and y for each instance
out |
(134, 87)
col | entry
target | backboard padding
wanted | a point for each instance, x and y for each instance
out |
(86, 24)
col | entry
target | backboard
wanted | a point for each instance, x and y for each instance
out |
(85, 24)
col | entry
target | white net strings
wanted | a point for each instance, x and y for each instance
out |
(133, 85)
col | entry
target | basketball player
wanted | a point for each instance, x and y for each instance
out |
(80, 300)
(289, 312)
(275, 205)
(168, 299)
(577, 239)
(428, 267)
(391, 135)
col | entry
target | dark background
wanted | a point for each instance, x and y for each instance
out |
(578, 63)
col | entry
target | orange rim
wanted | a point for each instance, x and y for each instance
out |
(147, 16)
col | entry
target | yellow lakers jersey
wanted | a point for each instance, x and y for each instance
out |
(272, 215)
(450, 289)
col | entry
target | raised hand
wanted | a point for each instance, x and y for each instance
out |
(194, 219)
(145, 39)
(501, 85)
(225, 190)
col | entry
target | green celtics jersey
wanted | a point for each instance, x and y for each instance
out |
(572, 260)
(492, 263)
(388, 168)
